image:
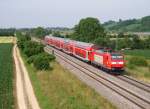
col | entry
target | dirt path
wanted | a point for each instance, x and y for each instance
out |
(25, 95)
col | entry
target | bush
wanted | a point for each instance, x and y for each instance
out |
(138, 61)
(41, 63)
(47, 56)
(31, 59)
(20, 45)
(44, 55)
(32, 48)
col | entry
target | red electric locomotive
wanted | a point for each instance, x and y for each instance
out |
(107, 59)
(102, 57)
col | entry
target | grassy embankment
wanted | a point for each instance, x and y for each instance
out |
(59, 89)
(6, 75)
(139, 72)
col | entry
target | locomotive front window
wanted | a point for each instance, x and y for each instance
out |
(103, 50)
(116, 56)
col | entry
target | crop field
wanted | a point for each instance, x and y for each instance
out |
(6, 39)
(6, 76)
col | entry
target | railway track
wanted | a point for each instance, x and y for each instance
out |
(138, 84)
(141, 97)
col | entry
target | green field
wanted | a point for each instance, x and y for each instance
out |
(139, 72)
(144, 53)
(6, 76)
(59, 89)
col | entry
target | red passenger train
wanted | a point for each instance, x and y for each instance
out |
(102, 57)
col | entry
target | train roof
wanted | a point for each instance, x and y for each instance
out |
(84, 45)
(56, 38)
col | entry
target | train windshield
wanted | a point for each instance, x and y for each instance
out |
(116, 56)
(103, 50)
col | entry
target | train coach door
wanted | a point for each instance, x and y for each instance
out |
(89, 54)
(106, 60)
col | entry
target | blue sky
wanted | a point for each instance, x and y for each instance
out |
(67, 13)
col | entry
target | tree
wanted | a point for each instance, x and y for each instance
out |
(137, 43)
(146, 23)
(102, 41)
(88, 30)
(32, 48)
(57, 34)
(121, 35)
(41, 63)
(7, 32)
(127, 41)
(40, 32)
(147, 43)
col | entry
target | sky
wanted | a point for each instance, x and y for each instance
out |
(67, 13)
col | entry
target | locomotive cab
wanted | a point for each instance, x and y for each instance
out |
(117, 61)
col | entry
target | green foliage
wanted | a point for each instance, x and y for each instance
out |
(41, 63)
(6, 77)
(134, 25)
(131, 66)
(35, 52)
(40, 32)
(47, 56)
(7, 32)
(22, 39)
(27, 46)
(59, 89)
(57, 34)
(143, 53)
(145, 23)
(147, 43)
(23, 36)
(138, 61)
(44, 55)
(88, 30)
(102, 41)
(30, 59)
(20, 44)
(137, 43)
(32, 48)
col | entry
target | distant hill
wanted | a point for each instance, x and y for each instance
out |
(132, 25)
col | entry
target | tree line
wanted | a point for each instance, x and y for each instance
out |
(7, 32)
(134, 25)
(92, 31)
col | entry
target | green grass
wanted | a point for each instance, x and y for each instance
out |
(139, 72)
(59, 89)
(143, 53)
(6, 76)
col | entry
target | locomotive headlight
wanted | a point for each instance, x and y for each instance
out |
(113, 63)
(120, 62)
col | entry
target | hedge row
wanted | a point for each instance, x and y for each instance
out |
(35, 53)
